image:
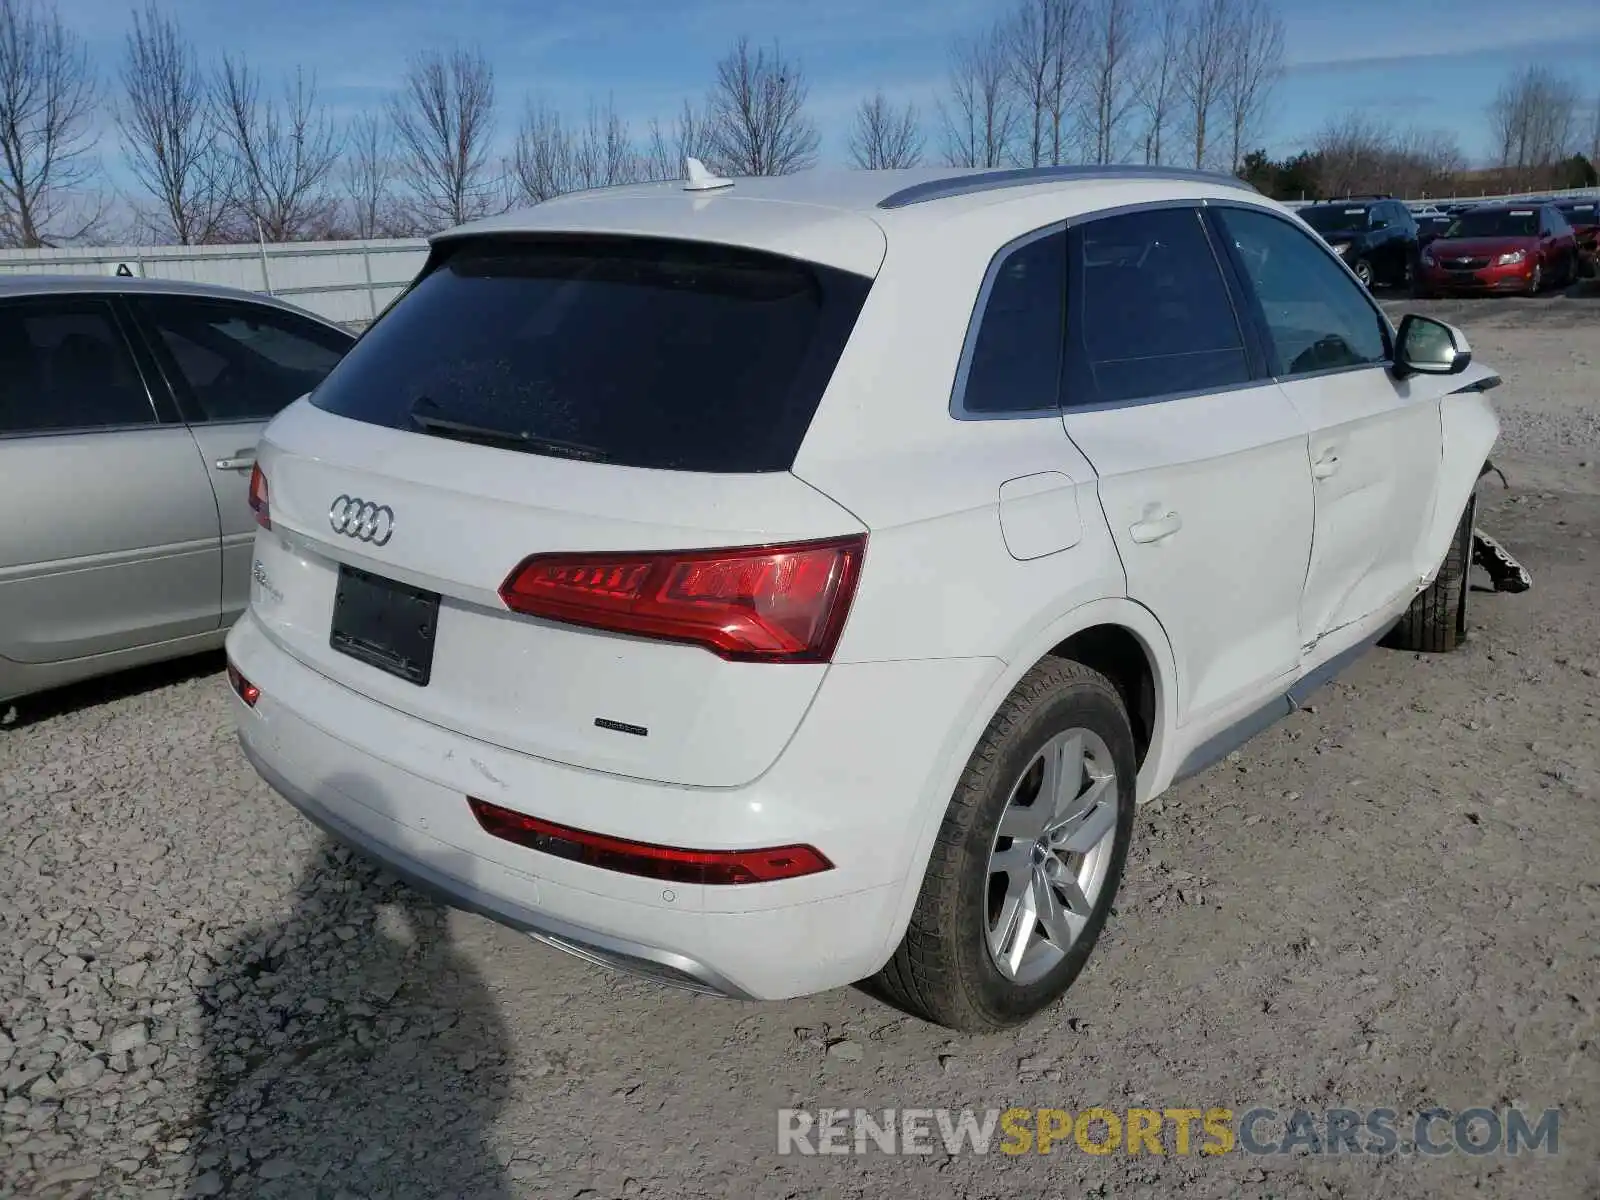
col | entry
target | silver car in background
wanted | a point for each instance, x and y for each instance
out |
(129, 415)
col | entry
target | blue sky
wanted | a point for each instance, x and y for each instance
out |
(1433, 63)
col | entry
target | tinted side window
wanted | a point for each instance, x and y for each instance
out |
(64, 365)
(242, 361)
(1151, 313)
(1015, 363)
(1317, 317)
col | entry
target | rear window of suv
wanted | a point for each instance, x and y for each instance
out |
(634, 351)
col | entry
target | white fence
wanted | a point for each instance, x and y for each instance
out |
(349, 282)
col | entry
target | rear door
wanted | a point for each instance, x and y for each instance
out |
(109, 538)
(1375, 441)
(1201, 460)
(233, 366)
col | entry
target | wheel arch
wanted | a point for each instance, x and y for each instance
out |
(1112, 631)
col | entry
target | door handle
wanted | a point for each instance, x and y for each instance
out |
(1155, 528)
(1325, 466)
(241, 461)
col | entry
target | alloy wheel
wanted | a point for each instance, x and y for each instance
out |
(1051, 854)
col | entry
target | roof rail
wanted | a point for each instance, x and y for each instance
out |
(985, 181)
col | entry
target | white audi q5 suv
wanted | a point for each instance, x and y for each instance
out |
(769, 584)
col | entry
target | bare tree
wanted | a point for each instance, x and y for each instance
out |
(1203, 71)
(603, 154)
(285, 150)
(1156, 90)
(1594, 135)
(1109, 97)
(542, 159)
(550, 159)
(1533, 118)
(1355, 153)
(1254, 61)
(1043, 40)
(367, 174)
(172, 144)
(756, 114)
(443, 118)
(981, 118)
(885, 137)
(47, 137)
(690, 138)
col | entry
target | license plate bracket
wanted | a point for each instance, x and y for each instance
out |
(385, 624)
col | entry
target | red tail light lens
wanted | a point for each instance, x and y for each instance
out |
(258, 497)
(242, 687)
(752, 604)
(644, 858)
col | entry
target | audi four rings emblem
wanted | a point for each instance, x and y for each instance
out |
(362, 519)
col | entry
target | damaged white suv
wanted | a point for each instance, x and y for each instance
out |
(769, 584)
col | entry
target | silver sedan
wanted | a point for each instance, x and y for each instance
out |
(129, 415)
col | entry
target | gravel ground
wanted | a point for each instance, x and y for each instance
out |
(1388, 900)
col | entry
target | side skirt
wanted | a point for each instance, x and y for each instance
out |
(1223, 743)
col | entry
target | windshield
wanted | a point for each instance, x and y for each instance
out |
(635, 351)
(1335, 218)
(1521, 222)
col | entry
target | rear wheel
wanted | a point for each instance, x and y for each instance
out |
(1437, 619)
(1028, 858)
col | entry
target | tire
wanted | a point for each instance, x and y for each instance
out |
(1536, 280)
(1363, 270)
(948, 967)
(1436, 622)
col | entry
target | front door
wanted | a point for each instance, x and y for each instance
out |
(1375, 441)
(1201, 463)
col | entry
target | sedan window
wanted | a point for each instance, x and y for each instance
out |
(65, 366)
(242, 361)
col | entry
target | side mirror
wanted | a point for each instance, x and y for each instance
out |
(1424, 346)
(1380, 223)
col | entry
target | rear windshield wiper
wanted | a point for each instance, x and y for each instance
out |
(508, 439)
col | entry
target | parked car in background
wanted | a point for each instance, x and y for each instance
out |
(129, 415)
(1420, 211)
(1584, 217)
(765, 584)
(1430, 228)
(1501, 248)
(1378, 238)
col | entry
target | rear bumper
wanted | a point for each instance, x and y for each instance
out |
(855, 786)
(676, 969)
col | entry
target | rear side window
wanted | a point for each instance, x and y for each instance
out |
(640, 352)
(65, 366)
(240, 361)
(1151, 313)
(1013, 363)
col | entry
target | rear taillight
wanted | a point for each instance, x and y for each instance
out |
(752, 604)
(258, 497)
(666, 863)
(242, 687)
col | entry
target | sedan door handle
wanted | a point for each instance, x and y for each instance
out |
(1156, 528)
(1325, 466)
(240, 462)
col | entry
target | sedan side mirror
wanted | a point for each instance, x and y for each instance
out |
(1428, 347)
